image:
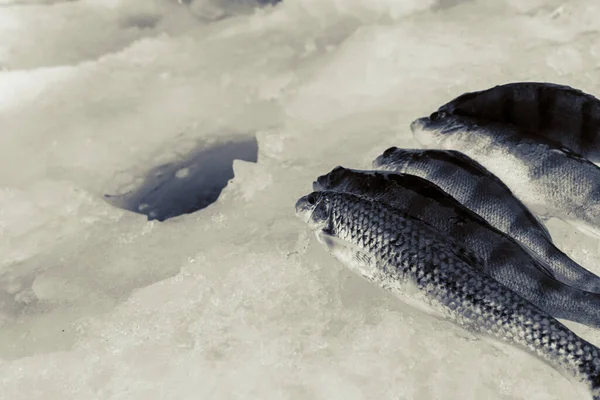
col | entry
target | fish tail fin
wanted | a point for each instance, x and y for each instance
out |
(561, 267)
(594, 382)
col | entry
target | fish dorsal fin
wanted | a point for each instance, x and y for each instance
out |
(568, 152)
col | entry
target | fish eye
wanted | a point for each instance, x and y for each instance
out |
(437, 115)
(312, 200)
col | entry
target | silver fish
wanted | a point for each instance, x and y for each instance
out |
(560, 113)
(501, 256)
(482, 192)
(552, 180)
(414, 260)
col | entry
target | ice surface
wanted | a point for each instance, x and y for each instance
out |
(238, 301)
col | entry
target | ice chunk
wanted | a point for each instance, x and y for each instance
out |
(102, 27)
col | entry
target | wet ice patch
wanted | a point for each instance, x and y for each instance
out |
(218, 9)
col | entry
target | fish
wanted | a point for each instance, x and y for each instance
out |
(413, 260)
(501, 256)
(484, 193)
(560, 113)
(550, 179)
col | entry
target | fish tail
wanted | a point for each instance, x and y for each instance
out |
(570, 272)
(566, 302)
(582, 279)
(595, 384)
(590, 310)
(593, 378)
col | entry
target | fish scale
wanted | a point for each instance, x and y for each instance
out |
(499, 255)
(551, 177)
(415, 252)
(560, 113)
(468, 181)
(484, 193)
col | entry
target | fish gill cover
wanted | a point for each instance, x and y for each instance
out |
(237, 301)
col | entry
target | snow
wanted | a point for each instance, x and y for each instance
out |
(238, 300)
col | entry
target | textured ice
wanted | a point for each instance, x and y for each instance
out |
(238, 301)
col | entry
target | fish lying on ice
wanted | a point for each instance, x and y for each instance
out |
(482, 192)
(414, 260)
(552, 180)
(501, 257)
(560, 113)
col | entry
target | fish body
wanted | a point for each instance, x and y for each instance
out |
(484, 193)
(560, 113)
(551, 179)
(396, 252)
(470, 183)
(501, 256)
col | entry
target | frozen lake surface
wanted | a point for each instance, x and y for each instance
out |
(167, 106)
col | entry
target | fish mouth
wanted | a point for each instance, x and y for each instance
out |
(305, 207)
(418, 124)
(380, 160)
(331, 179)
(394, 159)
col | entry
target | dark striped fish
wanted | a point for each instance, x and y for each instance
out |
(483, 193)
(560, 113)
(501, 256)
(551, 179)
(414, 260)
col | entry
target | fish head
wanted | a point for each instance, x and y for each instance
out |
(370, 184)
(335, 178)
(342, 179)
(440, 130)
(469, 104)
(394, 159)
(314, 209)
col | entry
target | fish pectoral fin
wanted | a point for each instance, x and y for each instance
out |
(470, 257)
(348, 253)
(333, 243)
(362, 258)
